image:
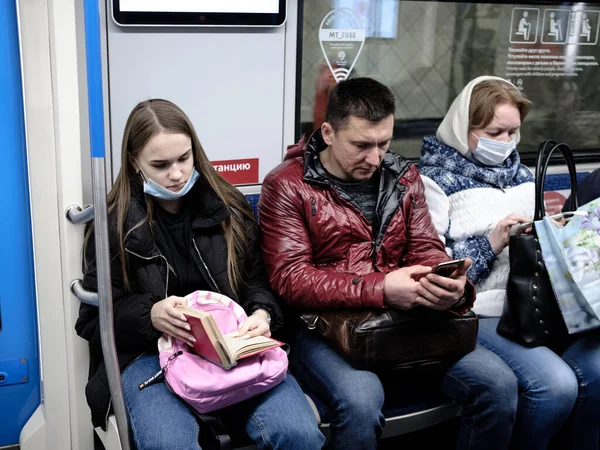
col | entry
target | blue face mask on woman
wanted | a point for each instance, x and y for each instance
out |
(156, 190)
(491, 152)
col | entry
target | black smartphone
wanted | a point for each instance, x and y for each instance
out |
(446, 269)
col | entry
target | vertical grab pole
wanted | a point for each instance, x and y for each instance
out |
(97, 148)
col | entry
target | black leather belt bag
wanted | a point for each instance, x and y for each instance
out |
(396, 339)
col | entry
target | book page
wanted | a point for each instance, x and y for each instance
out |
(192, 311)
(241, 348)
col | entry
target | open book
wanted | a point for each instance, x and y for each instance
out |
(223, 350)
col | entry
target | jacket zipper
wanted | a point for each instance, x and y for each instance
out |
(313, 207)
(160, 255)
(413, 201)
(358, 211)
(379, 239)
(414, 205)
(206, 267)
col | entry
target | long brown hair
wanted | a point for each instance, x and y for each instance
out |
(146, 120)
(490, 93)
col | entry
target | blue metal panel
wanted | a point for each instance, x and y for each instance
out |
(13, 371)
(18, 332)
(93, 57)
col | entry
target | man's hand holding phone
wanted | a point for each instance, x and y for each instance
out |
(444, 286)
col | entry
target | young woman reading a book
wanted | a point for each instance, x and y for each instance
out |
(176, 226)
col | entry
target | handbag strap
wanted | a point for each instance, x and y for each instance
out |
(547, 149)
(314, 322)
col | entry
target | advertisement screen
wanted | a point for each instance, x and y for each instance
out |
(201, 6)
(266, 13)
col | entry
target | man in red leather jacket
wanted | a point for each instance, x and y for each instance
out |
(345, 225)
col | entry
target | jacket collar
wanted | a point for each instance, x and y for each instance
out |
(392, 185)
(314, 172)
(207, 210)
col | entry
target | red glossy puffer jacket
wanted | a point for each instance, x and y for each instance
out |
(321, 252)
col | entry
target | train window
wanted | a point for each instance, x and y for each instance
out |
(427, 51)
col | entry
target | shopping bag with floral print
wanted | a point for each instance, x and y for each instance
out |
(572, 257)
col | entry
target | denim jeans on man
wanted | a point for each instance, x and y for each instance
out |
(481, 382)
(549, 387)
(278, 419)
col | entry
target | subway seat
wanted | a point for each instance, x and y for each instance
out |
(401, 417)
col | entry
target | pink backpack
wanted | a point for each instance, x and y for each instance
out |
(208, 387)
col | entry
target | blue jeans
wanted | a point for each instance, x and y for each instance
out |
(552, 390)
(278, 419)
(582, 429)
(484, 386)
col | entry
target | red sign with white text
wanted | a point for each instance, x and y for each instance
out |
(238, 171)
(553, 201)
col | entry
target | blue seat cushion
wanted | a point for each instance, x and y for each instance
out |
(253, 200)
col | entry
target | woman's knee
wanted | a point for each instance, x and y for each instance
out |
(157, 438)
(162, 422)
(554, 385)
(300, 436)
(564, 384)
(296, 429)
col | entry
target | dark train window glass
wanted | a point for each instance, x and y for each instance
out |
(426, 52)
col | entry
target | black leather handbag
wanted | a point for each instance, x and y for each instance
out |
(531, 315)
(396, 339)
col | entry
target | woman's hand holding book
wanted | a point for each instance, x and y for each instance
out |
(167, 319)
(255, 325)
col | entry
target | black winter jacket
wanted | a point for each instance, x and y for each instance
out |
(148, 276)
(588, 189)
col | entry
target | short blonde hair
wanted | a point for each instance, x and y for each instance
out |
(487, 95)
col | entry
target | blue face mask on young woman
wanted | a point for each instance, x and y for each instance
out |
(156, 190)
(490, 152)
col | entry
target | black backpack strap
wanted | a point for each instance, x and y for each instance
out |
(212, 432)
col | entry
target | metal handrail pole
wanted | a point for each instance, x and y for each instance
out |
(97, 149)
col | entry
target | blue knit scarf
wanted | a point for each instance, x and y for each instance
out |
(454, 173)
